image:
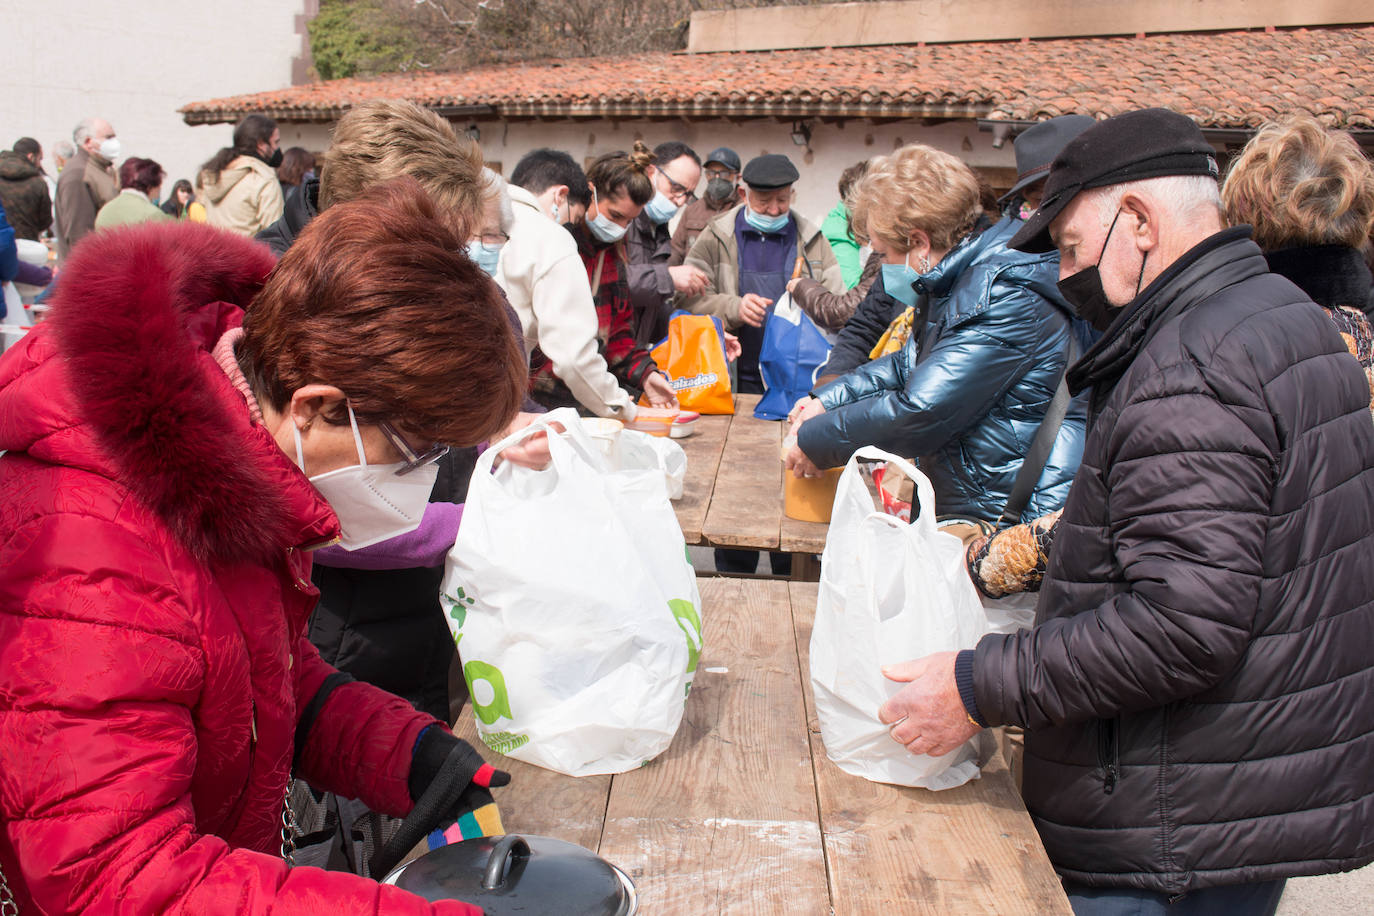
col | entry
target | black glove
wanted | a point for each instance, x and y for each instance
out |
(433, 750)
(450, 784)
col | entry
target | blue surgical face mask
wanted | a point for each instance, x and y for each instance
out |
(601, 226)
(769, 225)
(485, 255)
(660, 209)
(898, 280)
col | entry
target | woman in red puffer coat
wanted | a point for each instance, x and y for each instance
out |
(156, 517)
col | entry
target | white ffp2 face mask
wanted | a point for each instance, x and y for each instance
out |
(109, 148)
(373, 503)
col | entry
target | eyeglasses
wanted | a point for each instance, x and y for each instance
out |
(674, 189)
(411, 460)
(494, 239)
(719, 173)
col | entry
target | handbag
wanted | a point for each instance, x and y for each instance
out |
(693, 356)
(793, 351)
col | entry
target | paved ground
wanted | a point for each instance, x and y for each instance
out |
(1328, 895)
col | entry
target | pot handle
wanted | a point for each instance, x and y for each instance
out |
(510, 845)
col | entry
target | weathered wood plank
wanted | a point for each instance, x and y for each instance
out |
(890, 849)
(540, 801)
(703, 461)
(726, 820)
(746, 506)
(802, 537)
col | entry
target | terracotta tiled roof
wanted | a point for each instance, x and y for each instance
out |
(1223, 80)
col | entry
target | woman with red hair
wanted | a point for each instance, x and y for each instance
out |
(168, 467)
(140, 184)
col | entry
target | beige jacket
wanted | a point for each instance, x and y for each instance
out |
(546, 282)
(247, 197)
(716, 252)
(85, 185)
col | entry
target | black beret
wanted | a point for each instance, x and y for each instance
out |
(766, 173)
(1150, 143)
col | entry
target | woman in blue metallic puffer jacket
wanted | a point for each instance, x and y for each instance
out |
(967, 393)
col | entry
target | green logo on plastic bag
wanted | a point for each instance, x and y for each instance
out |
(457, 607)
(505, 742)
(685, 613)
(475, 671)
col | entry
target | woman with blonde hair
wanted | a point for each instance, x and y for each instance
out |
(1309, 194)
(620, 184)
(969, 388)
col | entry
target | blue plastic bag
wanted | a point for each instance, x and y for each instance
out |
(794, 350)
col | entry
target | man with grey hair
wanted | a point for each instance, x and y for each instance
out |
(86, 184)
(1196, 688)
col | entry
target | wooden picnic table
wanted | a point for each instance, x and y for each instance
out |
(732, 495)
(745, 814)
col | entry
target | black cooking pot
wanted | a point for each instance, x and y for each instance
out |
(532, 875)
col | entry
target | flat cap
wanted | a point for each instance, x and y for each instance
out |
(725, 156)
(1150, 143)
(765, 173)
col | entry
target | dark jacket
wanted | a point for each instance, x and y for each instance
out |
(648, 246)
(301, 205)
(24, 194)
(967, 394)
(1197, 688)
(832, 311)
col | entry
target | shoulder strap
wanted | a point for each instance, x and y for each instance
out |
(596, 276)
(313, 708)
(1041, 446)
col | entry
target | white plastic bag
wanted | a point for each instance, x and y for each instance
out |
(574, 607)
(889, 592)
(1010, 613)
(634, 450)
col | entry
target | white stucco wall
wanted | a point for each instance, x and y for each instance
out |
(833, 147)
(135, 64)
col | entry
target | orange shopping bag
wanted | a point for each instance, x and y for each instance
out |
(693, 355)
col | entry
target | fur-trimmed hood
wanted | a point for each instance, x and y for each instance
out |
(119, 381)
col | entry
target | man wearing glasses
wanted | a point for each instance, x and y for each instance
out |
(721, 172)
(648, 243)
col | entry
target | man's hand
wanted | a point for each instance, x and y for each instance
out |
(801, 466)
(927, 715)
(792, 284)
(533, 452)
(753, 308)
(802, 403)
(802, 411)
(658, 391)
(733, 348)
(688, 280)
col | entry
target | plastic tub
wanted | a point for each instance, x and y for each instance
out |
(685, 424)
(656, 421)
(809, 499)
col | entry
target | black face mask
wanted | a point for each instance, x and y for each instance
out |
(273, 160)
(719, 190)
(1085, 295)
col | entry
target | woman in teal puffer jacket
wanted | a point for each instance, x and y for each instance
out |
(967, 393)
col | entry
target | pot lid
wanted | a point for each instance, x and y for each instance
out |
(520, 874)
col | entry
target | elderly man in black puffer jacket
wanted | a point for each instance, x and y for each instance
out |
(1198, 690)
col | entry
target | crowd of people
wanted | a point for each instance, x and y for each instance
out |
(236, 453)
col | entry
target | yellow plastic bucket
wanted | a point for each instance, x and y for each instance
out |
(809, 499)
